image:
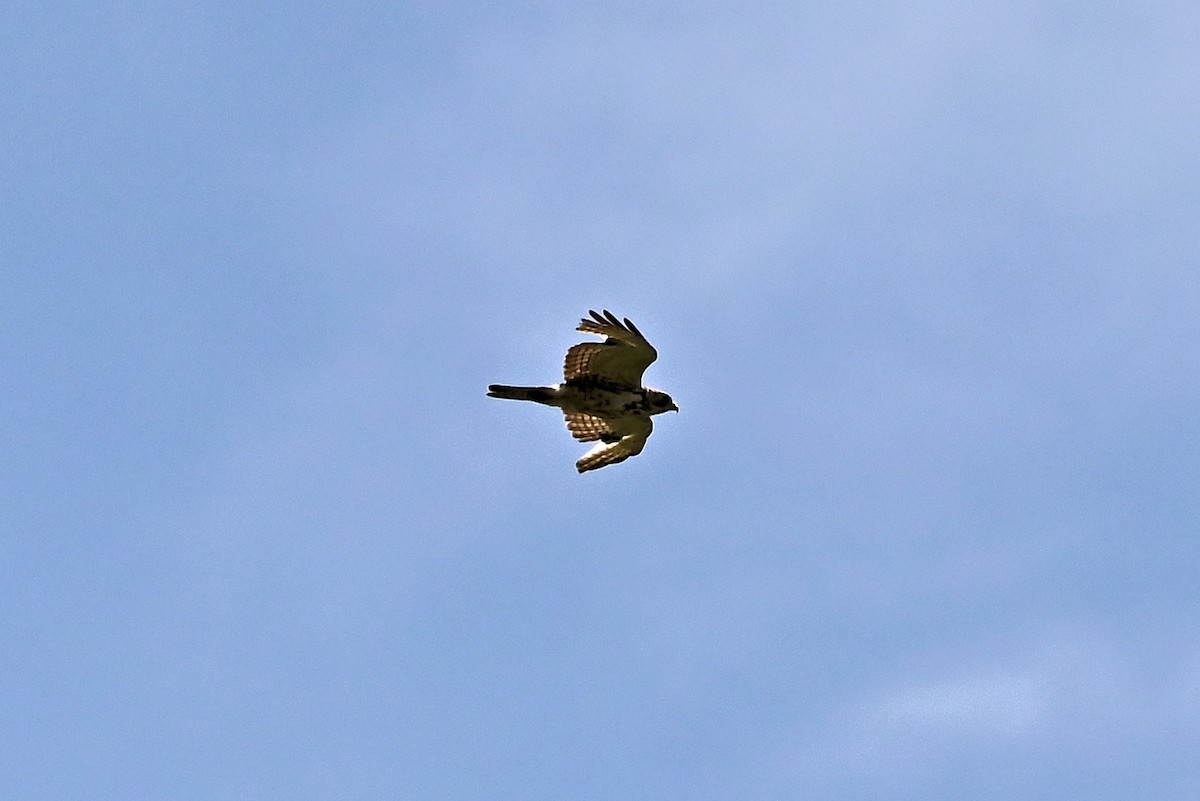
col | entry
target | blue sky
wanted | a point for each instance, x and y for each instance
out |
(922, 277)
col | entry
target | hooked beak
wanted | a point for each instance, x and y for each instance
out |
(673, 408)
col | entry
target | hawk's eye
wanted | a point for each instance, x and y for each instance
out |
(661, 401)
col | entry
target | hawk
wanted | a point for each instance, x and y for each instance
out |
(602, 395)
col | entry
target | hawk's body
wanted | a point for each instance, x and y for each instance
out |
(602, 395)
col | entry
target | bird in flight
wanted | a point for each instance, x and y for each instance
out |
(602, 395)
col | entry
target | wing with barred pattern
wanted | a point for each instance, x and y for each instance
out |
(586, 428)
(634, 430)
(621, 358)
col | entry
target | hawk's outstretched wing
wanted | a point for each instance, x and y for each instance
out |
(622, 357)
(622, 437)
(586, 428)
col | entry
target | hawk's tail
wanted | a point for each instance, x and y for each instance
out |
(536, 394)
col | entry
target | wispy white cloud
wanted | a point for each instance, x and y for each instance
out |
(1052, 696)
(1005, 703)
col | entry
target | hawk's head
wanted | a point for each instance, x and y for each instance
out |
(660, 402)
